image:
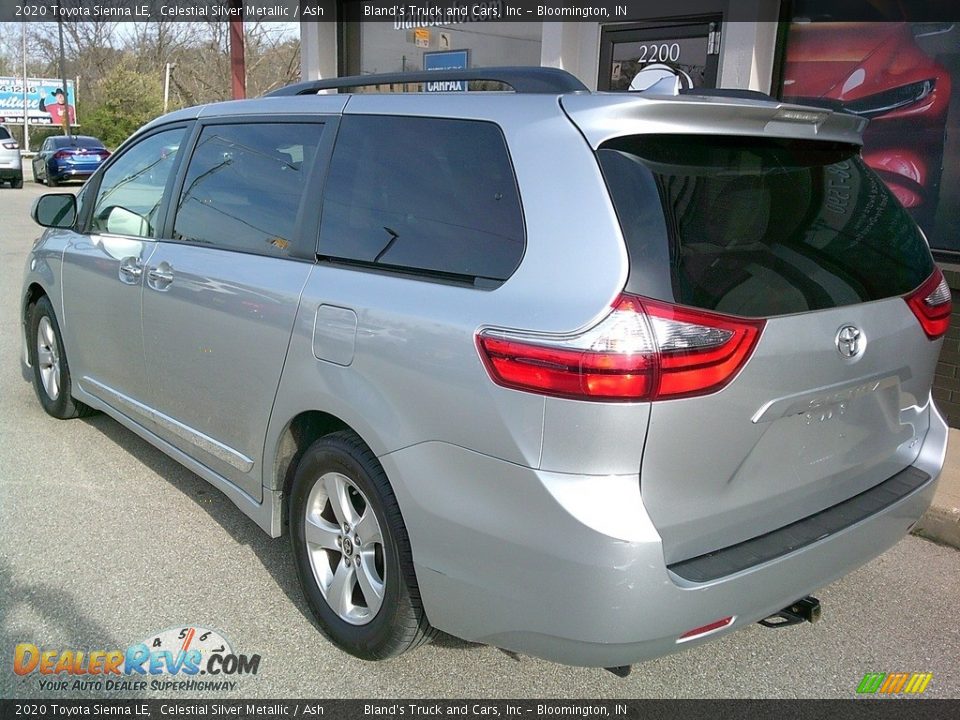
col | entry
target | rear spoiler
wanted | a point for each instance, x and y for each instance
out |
(601, 117)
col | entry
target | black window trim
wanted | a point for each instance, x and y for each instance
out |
(307, 223)
(93, 184)
(476, 282)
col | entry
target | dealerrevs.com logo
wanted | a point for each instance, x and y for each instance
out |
(894, 683)
(182, 658)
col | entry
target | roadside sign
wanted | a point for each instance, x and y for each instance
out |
(446, 60)
(44, 105)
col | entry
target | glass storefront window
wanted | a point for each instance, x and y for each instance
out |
(387, 47)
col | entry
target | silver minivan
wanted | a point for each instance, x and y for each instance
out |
(593, 377)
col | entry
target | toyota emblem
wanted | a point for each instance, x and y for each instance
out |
(849, 341)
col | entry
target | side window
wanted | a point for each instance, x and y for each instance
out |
(132, 187)
(423, 194)
(244, 186)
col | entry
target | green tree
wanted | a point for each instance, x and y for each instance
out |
(127, 100)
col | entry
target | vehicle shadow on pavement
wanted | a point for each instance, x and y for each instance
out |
(55, 608)
(273, 553)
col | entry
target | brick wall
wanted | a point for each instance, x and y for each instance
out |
(946, 383)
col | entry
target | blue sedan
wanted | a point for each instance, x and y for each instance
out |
(61, 158)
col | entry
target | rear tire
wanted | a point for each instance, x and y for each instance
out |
(352, 551)
(50, 181)
(51, 373)
(17, 183)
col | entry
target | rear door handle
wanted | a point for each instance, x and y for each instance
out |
(160, 276)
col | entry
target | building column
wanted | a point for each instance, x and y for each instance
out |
(318, 50)
(574, 47)
(747, 51)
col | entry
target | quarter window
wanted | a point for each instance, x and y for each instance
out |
(244, 186)
(427, 195)
(128, 201)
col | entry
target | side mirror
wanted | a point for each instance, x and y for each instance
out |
(57, 210)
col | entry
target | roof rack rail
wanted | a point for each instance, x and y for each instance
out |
(522, 79)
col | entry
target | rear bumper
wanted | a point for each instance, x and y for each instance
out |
(570, 568)
(71, 174)
(10, 173)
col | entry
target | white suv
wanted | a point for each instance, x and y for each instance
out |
(11, 166)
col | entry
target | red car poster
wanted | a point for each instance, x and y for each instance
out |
(899, 75)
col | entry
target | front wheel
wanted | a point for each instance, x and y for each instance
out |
(51, 373)
(352, 552)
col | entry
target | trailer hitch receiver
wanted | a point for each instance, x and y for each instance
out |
(805, 609)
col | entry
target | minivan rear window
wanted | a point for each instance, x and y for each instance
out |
(759, 227)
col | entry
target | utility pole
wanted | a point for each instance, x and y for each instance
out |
(26, 119)
(65, 115)
(166, 86)
(238, 68)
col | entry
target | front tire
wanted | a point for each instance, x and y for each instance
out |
(352, 551)
(51, 373)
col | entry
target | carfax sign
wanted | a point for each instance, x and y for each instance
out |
(45, 100)
(446, 60)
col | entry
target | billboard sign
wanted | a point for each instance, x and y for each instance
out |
(46, 103)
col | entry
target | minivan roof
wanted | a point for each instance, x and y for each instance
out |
(599, 115)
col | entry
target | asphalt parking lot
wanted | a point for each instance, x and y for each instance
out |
(105, 541)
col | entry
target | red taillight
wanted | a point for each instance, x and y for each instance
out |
(60, 154)
(700, 352)
(706, 629)
(10, 146)
(932, 303)
(643, 350)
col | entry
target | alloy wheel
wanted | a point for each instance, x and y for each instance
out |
(345, 548)
(48, 358)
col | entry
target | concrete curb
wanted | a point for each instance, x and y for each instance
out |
(940, 524)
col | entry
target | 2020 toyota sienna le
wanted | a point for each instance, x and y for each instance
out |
(592, 377)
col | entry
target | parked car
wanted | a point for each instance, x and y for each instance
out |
(591, 377)
(878, 71)
(68, 157)
(11, 168)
